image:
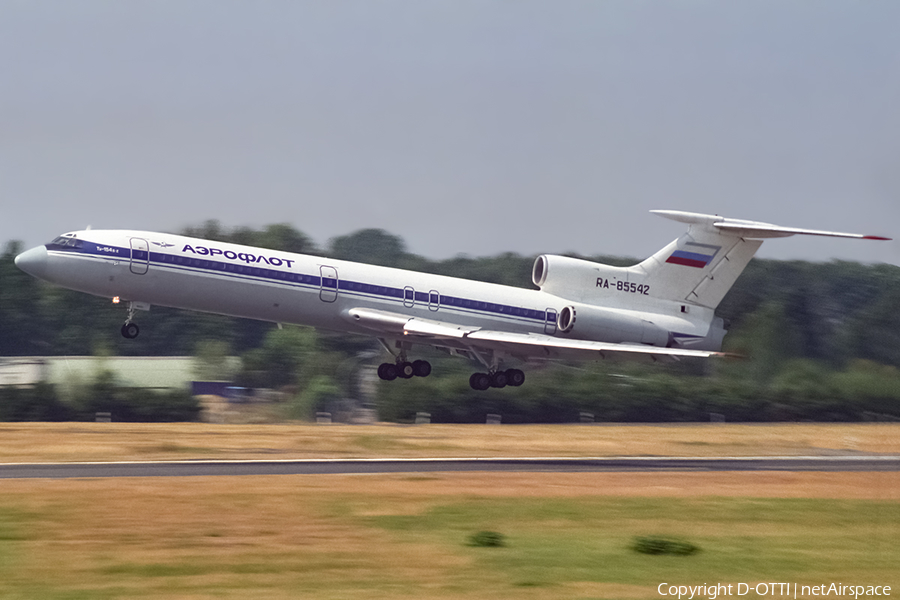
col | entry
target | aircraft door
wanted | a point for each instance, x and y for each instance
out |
(409, 297)
(328, 291)
(550, 321)
(434, 300)
(140, 256)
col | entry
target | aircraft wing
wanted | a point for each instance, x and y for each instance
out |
(520, 345)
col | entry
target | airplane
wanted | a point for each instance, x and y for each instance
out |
(662, 308)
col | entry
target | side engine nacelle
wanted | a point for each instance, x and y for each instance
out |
(583, 321)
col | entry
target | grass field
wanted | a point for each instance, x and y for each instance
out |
(568, 535)
(66, 442)
(402, 536)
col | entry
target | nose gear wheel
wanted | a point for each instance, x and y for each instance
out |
(130, 330)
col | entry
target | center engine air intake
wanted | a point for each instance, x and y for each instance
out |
(554, 273)
(577, 279)
(539, 271)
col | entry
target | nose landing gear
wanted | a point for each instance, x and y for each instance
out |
(130, 329)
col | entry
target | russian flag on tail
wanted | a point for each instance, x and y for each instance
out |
(694, 255)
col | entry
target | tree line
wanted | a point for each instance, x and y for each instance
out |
(822, 342)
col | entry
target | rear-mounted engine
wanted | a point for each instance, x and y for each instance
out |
(609, 325)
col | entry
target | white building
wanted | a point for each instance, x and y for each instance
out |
(159, 372)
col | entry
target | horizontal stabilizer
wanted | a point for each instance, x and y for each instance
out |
(754, 229)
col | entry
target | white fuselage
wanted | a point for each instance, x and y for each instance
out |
(281, 287)
(663, 307)
(229, 279)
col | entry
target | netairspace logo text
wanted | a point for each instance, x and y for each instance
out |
(789, 590)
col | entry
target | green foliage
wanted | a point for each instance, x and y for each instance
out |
(506, 269)
(211, 361)
(41, 402)
(19, 314)
(767, 337)
(316, 396)
(870, 390)
(103, 395)
(873, 333)
(35, 403)
(280, 236)
(283, 237)
(371, 246)
(620, 392)
(279, 360)
(298, 361)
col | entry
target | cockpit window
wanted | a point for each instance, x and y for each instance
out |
(66, 242)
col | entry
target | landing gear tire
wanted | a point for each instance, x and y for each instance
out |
(480, 381)
(405, 370)
(130, 331)
(515, 377)
(498, 379)
(421, 368)
(387, 371)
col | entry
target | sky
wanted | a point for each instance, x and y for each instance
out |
(464, 127)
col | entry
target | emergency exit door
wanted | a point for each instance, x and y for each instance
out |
(328, 291)
(140, 256)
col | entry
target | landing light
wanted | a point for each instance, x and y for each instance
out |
(115, 299)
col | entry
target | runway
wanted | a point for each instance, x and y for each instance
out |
(435, 465)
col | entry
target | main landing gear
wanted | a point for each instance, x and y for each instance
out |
(404, 369)
(497, 379)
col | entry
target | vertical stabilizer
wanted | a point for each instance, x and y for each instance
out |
(702, 265)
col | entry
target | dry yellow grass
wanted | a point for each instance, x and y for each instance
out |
(71, 442)
(301, 536)
(311, 536)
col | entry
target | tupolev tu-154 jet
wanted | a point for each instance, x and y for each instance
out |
(661, 308)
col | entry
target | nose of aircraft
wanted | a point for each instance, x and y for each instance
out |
(34, 261)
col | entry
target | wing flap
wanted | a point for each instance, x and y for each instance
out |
(385, 321)
(525, 345)
(425, 327)
(551, 345)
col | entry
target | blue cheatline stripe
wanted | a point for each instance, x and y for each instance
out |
(244, 271)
